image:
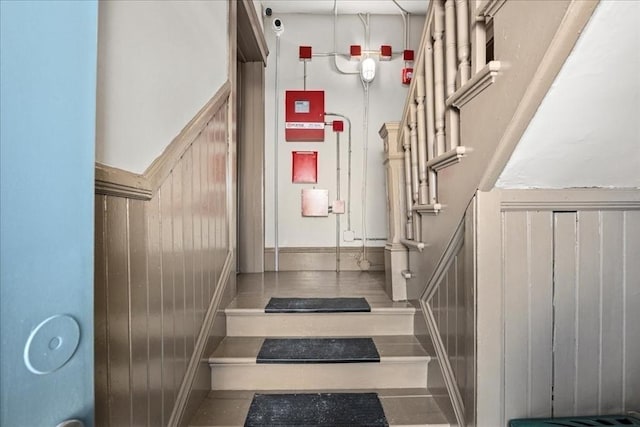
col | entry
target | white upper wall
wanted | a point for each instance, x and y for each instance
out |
(343, 94)
(159, 62)
(586, 132)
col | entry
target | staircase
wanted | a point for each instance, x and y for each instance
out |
(350, 356)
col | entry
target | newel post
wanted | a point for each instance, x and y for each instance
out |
(395, 253)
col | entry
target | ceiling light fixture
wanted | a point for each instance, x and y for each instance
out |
(368, 69)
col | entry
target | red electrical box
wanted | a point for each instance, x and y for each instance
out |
(305, 52)
(304, 115)
(408, 55)
(385, 52)
(304, 167)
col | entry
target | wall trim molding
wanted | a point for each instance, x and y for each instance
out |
(570, 199)
(489, 8)
(116, 182)
(449, 158)
(182, 399)
(323, 258)
(111, 181)
(576, 17)
(474, 87)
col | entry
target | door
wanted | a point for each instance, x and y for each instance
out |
(596, 291)
(48, 56)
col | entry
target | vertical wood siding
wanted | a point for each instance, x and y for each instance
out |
(453, 307)
(571, 283)
(157, 265)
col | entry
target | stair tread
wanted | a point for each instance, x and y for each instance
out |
(402, 407)
(256, 303)
(244, 350)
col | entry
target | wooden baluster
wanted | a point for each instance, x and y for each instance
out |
(438, 74)
(414, 167)
(406, 146)
(415, 182)
(431, 129)
(451, 59)
(479, 41)
(464, 50)
(451, 56)
(422, 136)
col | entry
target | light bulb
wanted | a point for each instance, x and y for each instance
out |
(368, 70)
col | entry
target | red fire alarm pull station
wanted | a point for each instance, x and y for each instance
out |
(304, 169)
(304, 115)
(407, 75)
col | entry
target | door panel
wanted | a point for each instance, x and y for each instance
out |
(594, 283)
(47, 94)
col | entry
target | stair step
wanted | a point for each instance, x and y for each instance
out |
(234, 366)
(246, 317)
(317, 305)
(402, 407)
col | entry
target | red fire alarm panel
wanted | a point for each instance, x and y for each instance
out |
(304, 115)
(304, 168)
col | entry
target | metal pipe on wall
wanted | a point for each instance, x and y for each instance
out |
(348, 120)
(337, 198)
(275, 159)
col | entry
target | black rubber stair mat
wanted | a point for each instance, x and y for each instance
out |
(318, 409)
(318, 350)
(317, 305)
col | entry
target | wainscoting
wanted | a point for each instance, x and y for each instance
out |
(558, 291)
(448, 305)
(162, 268)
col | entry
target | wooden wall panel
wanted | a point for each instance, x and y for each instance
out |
(570, 280)
(588, 297)
(138, 315)
(169, 389)
(453, 307)
(565, 280)
(100, 309)
(612, 311)
(157, 267)
(631, 298)
(528, 280)
(154, 309)
(539, 310)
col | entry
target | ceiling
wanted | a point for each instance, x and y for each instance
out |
(387, 7)
(586, 132)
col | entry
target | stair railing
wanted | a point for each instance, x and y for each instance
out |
(451, 53)
(450, 69)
